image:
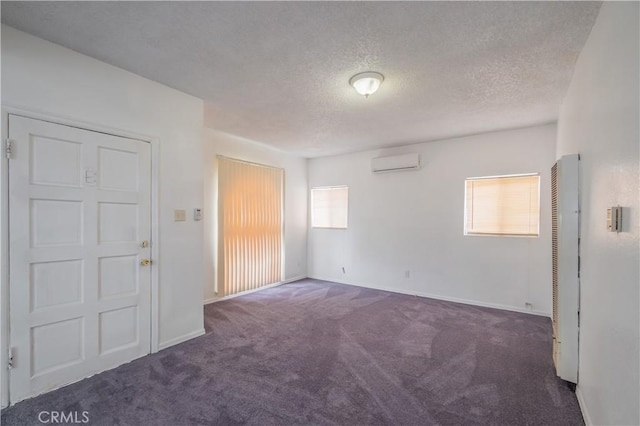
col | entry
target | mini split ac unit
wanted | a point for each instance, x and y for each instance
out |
(395, 163)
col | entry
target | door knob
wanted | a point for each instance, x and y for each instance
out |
(145, 262)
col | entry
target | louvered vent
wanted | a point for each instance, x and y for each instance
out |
(565, 235)
(554, 250)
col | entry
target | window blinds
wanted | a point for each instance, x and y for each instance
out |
(250, 199)
(329, 207)
(503, 205)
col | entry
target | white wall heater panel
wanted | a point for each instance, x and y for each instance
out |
(566, 264)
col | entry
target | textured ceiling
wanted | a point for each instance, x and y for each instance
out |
(278, 72)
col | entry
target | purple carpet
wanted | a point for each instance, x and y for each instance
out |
(319, 353)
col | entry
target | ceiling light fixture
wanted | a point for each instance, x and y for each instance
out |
(366, 83)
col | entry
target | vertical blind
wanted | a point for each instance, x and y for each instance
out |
(329, 207)
(249, 225)
(506, 205)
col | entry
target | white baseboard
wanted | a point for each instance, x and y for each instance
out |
(583, 407)
(211, 300)
(180, 339)
(231, 296)
(445, 298)
(298, 278)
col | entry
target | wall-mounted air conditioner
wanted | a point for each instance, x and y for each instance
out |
(395, 163)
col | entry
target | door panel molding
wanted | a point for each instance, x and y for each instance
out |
(8, 110)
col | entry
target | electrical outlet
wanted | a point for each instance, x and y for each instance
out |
(407, 274)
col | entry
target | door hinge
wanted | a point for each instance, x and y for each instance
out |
(10, 359)
(578, 266)
(8, 148)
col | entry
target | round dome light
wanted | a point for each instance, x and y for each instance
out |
(366, 83)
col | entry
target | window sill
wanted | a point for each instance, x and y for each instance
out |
(478, 234)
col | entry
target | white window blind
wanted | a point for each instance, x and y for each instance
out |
(503, 205)
(329, 207)
(250, 225)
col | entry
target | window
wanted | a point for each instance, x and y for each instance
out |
(502, 205)
(250, 225)
(329, 207)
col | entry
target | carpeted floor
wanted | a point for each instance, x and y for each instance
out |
(313, 352)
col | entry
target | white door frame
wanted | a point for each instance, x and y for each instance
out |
(7, 110)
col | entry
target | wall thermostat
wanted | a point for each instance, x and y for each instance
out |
(614, 219)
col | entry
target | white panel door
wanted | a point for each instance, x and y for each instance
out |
(80, 223)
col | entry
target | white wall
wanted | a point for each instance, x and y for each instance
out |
(43, 77)
(599, 119)
(414, 221)
(295, 198)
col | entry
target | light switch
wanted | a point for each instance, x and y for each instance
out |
(197, 214)
(179, 215)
